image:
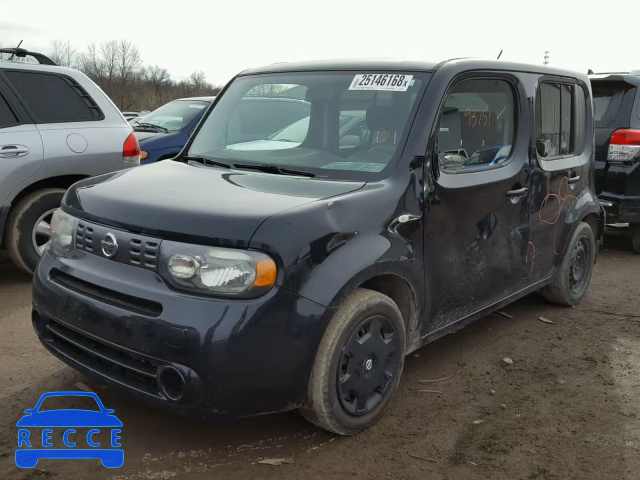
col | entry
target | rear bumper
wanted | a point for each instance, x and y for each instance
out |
(620, 208)
(125, 326)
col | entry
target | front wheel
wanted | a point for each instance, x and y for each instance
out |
(574, 274)
(358, 364)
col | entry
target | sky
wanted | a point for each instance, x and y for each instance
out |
(224, 38)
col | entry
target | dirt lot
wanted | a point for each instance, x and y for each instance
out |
(566, 409)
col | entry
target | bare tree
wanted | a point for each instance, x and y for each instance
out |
(198, 82)
(63, 53)
(117, 67)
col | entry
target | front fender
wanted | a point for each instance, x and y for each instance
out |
(329, 247)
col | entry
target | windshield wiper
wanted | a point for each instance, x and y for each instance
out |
(150, 125)
(207, 161)
(264, 167)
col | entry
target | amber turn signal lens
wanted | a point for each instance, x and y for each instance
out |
(143, 154)
(265, 273)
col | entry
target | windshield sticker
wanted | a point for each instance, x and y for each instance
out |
(357, 166)
(196, 105)
(382, 81)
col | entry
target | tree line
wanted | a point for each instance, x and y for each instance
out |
(116, 66)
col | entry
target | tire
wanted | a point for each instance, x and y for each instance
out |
(332, 402)
(635, 236)
(574, 274)
(21, 224)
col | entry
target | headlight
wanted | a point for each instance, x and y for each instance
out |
(215, 270)
(63, 231)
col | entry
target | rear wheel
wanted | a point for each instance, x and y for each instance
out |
(635, 236)
(358, 364)
(29, 227)
(574, 274)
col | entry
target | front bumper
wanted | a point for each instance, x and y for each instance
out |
(125, 326)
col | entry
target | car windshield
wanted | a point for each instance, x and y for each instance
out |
(334, 125)
(173, 116)
(65, 402)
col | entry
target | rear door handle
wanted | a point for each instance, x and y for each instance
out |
(519, 192)
(13, 151)
(574, 179)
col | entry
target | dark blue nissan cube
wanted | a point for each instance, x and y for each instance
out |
(248, 276)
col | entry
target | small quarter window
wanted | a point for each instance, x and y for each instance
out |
(477, 125)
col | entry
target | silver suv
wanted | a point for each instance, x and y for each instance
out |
(56, 127)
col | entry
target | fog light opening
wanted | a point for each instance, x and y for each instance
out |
(39, 323)
(172, 383)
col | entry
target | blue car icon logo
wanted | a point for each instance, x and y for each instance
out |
(41, 427)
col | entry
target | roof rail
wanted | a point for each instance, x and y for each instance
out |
(21, 53)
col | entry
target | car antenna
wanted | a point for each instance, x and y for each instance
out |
(500, 54)
(16, 47)
(590, 72)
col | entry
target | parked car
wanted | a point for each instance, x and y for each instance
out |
(56, 127)
(130, 115)
(240, 282)
(616, 100)
(165, 131)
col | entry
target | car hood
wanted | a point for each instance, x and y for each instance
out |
(196, 203)
(144, 135)
(69, 418)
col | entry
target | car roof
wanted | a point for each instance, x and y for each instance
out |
(200, 99)
(409, 66)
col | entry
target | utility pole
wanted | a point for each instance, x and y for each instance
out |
(546, 57)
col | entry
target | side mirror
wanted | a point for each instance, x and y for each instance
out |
(29, 411)
(109, 411)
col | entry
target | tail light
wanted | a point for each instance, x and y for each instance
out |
(131, 151)
(624, 146)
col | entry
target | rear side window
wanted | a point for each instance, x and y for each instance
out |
(607, 98)
(560, 120)
(477, 126)
(7, 118)
(53, 98)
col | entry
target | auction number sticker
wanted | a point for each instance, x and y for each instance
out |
(392, 82)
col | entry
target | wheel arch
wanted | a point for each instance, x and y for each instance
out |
(396, 286)
(62, 181)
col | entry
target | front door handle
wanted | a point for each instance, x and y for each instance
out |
(574, 179)
(13, 151)
(518, 192)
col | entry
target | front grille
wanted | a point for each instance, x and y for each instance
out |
(111, 297)
(133, 249)
(144, 254)
(115, 363)
(84, 237)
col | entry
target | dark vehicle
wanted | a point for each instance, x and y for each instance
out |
(240, 282)
(163, 132)
(616, 101)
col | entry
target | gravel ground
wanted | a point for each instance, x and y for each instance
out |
(567, 408)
